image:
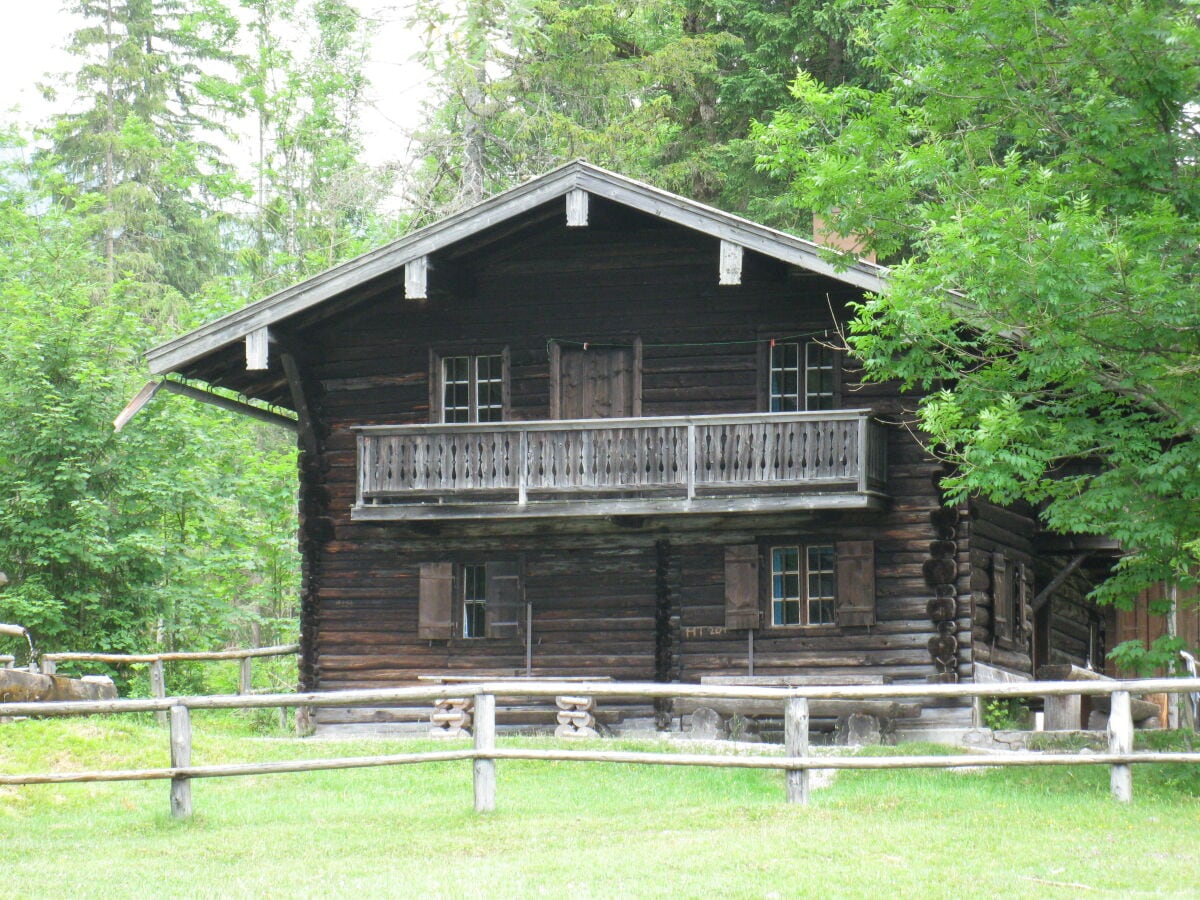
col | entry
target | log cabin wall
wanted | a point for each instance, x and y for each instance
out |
(597, 589)
(1070, 629)
(1145, 623)
(1001, 561)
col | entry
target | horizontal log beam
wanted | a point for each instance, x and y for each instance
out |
(723, 761)
(133, 658)
(627, 690)
(230, 404)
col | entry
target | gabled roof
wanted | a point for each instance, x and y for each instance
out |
(573, 176)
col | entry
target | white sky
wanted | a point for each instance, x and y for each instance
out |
(31, 45)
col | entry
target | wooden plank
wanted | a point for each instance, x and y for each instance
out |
(485, 742)
(436, 601)
(227, 403)
(577, 209)
(137, 404)
(795, 740)
(730, 264)
(181, 757)
(416, 274)
(257, 349)
(158, 687)
(1120, 741)
(742, 606)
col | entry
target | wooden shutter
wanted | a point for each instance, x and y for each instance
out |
(436, 601)
(1002, 597)
(505, 600)
(742, 607)
(855, 582)
(1023, 625)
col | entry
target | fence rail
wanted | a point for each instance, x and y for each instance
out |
(158, 676)
(797, 762)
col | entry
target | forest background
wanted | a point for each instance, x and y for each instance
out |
(200, 154)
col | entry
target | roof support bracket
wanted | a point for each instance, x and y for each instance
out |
(304, 420)
(577, 209)
(257, 350)
(229, 403)
(416, 277)
(731, 263)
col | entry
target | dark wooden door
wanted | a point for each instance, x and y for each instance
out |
(597, 384)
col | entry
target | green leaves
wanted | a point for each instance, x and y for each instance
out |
(1030, 169)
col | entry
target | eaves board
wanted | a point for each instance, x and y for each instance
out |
(182, 351)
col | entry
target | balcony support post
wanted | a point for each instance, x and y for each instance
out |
(861, 427)
(691, 460)
(523, 470)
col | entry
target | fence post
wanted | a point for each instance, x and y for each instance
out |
(485, 740)
(1120, 740)
(48, 666)
(245, 675)
(795, 743)
(181, 755)
(158, 687)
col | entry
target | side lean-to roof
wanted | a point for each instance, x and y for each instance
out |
(575, 176)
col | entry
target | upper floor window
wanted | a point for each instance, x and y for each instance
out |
(802, 376)
(471, 388)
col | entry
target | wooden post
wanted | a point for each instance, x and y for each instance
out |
(158, 687)
(485, 740)
(795, 743)
(181, 755)
(1120, 740)
(244, 675)
(691, 461)
(48, 666)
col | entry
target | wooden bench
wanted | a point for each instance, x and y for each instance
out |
(824, 715)
(1065, 713)
(571, 716)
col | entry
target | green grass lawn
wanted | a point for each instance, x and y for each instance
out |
(572, 829)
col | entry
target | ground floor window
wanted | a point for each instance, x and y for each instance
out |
(471, 600)
(474, 601)
(802, 584)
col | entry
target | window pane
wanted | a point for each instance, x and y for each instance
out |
(818, 376)
(785, 378)
(489, 388)
(820, 612)
(456, 389)
(820, 584)
(474, 592)
(791, 584)
(785, 585)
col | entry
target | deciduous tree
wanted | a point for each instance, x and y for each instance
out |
(1031, 169)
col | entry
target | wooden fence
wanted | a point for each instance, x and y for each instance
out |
(797, 762)
(158, 677)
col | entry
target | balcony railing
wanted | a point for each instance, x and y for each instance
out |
(612, 466)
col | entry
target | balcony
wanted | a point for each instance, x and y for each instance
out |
(643, 466)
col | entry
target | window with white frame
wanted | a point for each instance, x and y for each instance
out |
(472, 388)
(802, 584)
(802, 376)
(818, 376)
(474, 601)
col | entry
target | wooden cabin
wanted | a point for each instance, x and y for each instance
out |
(591, 428)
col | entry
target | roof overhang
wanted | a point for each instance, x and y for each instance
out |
(575, 176)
